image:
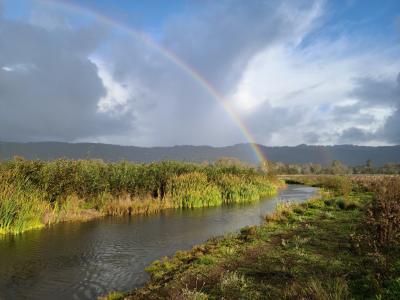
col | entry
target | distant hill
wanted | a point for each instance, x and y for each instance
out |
(348, 154)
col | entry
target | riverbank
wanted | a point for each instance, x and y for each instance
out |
(344, 244)
(35, 194)
(85, 260)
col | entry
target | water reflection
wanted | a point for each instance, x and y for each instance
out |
(84, 260)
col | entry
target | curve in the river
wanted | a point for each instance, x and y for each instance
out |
(85, 260)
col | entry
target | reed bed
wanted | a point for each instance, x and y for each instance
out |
(21, 208)
(193, 190)
(35, 193)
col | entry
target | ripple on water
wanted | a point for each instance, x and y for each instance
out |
(85, 260)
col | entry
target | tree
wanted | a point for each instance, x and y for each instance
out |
(368, 167)
(338, 167)
(368, 164)
(316, 168)
(231, 162)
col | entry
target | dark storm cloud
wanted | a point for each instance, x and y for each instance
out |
(352, 112)
(221, 38)
(354, 134)
(172, 107)
(311, 138)
(376, 92)
(217, 39)
(391, 129)
(370, 93)
(49, 89)
(267, 120)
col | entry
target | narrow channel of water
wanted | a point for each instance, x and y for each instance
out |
(85, 260)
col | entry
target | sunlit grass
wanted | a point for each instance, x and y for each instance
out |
(344, 244)
(37, 193)
(21, 209)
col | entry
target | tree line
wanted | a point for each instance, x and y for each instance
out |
(335, 168)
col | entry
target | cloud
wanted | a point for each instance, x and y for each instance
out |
(391, 128)
(354, 134)
(49, 89)
(377, 99)
(221, 38)
(376, 92)
(118, 95)
(311, 138)
(271, 124)
(218, 40)
(330, 86)
(289, 79)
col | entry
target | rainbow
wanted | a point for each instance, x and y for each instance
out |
(185, 67)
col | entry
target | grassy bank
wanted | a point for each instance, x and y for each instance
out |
(343, 245)
(35, 193)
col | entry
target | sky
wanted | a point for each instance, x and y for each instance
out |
(163, 73)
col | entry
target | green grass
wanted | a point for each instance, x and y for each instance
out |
(21, 209)
(321, 249)
(193, 190)
(36, 193)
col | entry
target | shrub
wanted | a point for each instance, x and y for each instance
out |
(193, 295)
(384, 214)
(341, 203)
(334, 289)
(299, 210)
(236, 286)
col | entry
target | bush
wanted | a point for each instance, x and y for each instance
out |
(236, 286)
(384, 214)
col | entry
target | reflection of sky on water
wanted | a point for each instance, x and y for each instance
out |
(84, 260)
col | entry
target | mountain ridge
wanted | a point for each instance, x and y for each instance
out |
(349, 154)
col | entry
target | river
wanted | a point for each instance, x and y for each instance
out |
(82, 260)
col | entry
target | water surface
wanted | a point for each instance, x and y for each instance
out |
(84, 260)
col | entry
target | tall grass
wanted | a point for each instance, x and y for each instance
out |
(21, 208)
(193, 190)
(34, 193)
(382, 220)
(236, 189)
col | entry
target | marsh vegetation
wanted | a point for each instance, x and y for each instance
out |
(37, 193)
(84, 260)
(344, 244)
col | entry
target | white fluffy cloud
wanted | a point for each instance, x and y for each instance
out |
(318, 80)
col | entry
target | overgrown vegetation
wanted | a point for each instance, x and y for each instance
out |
(35, 193)
(335, 168)
(384, 213)
(342, 245)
